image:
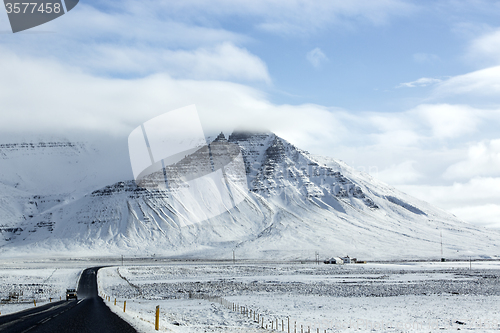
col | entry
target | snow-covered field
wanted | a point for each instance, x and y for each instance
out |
(431, 297)
(34, 282)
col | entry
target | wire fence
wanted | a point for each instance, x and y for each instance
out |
(266, 322)
(263, 321)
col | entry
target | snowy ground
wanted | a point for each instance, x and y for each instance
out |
(430, 297)
(34, 283)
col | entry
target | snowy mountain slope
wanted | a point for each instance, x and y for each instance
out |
(57, 167)
(36, 175)
(296, 204)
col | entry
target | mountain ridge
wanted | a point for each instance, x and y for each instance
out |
(297, 204)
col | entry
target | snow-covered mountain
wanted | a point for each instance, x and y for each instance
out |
(297, 204)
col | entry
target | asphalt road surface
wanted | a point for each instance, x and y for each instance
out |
(87, 314)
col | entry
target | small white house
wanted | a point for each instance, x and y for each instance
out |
(346, 260)
(334, 261)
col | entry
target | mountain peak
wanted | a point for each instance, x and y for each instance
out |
(221, 137)
(244, 135)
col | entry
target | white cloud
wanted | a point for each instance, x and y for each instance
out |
(298, 16)
(481, 83)
(475, 201)
(41, 96)
(484, 215)
(397, 138)
(422, 82)
(222, 62)
(476, 191)
(225, 61)
(403, 173)
(482, 52)
(486, 48)
(145, 23)
(474, 87)
(449, 121)
(483, 160)
(316, 57)
(124, 42)
(423, 124)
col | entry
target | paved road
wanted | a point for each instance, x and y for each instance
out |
(88, 314)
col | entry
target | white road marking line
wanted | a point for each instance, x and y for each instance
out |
(29, 329)
(39, 312)
(9, 324)
(32, 314)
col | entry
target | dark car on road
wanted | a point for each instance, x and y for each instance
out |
(71, 294)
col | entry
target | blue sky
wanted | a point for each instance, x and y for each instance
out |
(406, 89)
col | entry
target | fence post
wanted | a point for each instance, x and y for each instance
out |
(34, 302)
(157, 318)
(124, 305)
(115, 300)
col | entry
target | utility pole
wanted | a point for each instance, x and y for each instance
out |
(122, 259)
(441, 235)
